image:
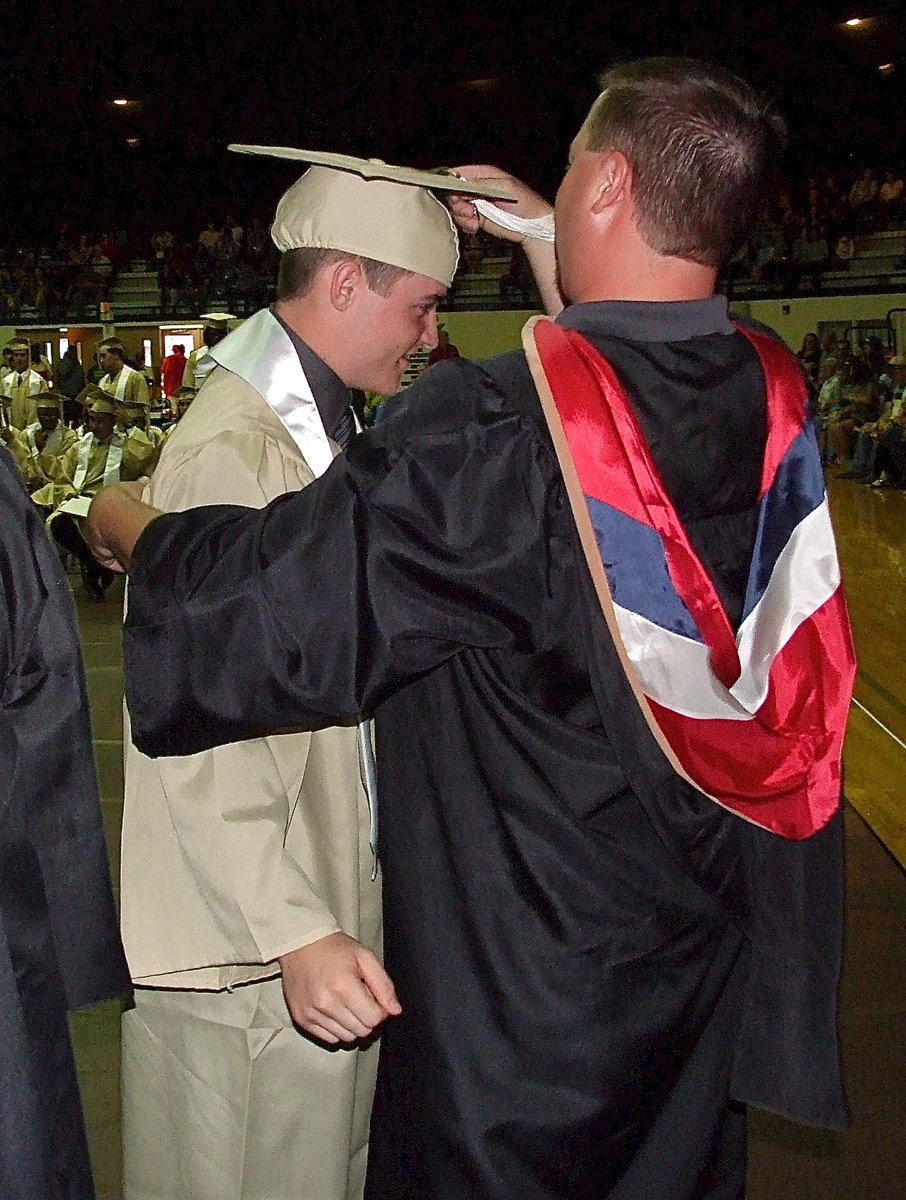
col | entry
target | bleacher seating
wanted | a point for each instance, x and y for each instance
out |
(136, 293)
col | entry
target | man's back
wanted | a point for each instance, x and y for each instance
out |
(545, 869)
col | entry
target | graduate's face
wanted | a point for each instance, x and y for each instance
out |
(390, 328)
(109, 361)
(101, 425)
(48, 418)
(21, 360)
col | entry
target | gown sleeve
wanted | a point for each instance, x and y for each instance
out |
(426, 537)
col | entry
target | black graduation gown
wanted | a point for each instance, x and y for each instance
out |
(595, 963)
(59, 940)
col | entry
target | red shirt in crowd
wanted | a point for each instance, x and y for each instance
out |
(172, 370)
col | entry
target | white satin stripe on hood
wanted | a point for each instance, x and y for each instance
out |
(672, 668)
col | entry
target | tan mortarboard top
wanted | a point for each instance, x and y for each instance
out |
(217, 318)
(50, 400)
(368, 207)
(95, 399)
(89, 393)
(103, 406)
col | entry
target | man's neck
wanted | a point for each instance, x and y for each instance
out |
(662, 286)
(632, 270)
(303, 320)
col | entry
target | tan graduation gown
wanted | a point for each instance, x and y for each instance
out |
(229, 859)
(127, 385)
(199, 366)
(137, 460)
(19, 393)
(40, 467)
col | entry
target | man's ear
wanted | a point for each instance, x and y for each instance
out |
(614, 181)
(345, 279)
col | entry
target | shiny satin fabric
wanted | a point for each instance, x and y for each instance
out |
(777, 761)
(593, 959)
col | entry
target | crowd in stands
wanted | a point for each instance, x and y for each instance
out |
(227, 263)
(74, 273)
(859, 395)
(800, 233)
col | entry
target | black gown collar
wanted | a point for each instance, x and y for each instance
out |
(649, 321)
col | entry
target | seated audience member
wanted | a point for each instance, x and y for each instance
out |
(828, 340)
(811, 253)
(844, 250)
(859, 406)
(890, 459)
(830, 403)
(890, 197)
(444, 348)
(101, 456)
(809, 356)
(862, 197)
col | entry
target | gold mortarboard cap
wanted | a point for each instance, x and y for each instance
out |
(50, 399)
(95, 399)
(371, 208)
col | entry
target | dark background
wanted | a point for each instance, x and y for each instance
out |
(507, 83)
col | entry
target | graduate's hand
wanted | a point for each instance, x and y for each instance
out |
(527, 203)
(115, 520)
(337, 990)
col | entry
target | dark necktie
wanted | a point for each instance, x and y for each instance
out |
(344, 428)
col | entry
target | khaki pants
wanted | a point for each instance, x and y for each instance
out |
(223, 1099)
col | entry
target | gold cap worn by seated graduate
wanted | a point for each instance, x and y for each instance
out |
(368, 207)
(95, 399)
(50, 400)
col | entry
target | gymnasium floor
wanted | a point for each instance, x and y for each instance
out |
(868, 1161)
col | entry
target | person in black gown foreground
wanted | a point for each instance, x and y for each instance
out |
(599, 967)
(59, 938)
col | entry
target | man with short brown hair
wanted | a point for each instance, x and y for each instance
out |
(591, 592)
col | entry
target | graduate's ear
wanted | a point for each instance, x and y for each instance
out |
(346, 278)
(614, 181)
